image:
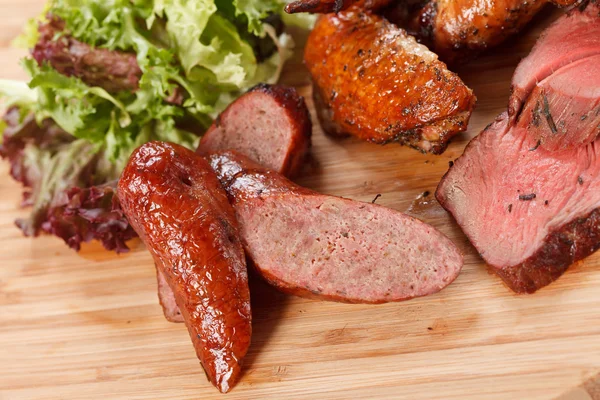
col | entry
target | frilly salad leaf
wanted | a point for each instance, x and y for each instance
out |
(253, 12)
(17, 93)
(67, 141)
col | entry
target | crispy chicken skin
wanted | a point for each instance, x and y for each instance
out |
(374, 81)
(175, 202)
(458, 29)
(329, 6)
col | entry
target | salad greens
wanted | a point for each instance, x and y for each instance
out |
(67, 140)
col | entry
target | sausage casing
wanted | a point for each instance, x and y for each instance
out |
(176, 204)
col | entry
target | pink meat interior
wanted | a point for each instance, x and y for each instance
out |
(570, 38)
(507, 195)
(564, 109)
(256, 126)
(337, 247)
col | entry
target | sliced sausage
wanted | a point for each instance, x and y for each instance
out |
(314, 245)
(270, 124)
(176, 204)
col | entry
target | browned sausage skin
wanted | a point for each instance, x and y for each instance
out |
(176, 204)
(270, 124)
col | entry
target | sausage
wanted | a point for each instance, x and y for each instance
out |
(176, 204)
(270, 124)
(331, 248)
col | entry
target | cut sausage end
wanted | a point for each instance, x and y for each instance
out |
(269, 124)
(166, 297)
(338, 249)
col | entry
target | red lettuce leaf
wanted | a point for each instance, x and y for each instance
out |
(91, 213)
(72, 195)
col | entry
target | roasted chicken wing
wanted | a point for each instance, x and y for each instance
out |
(458, 29)
(374, 81)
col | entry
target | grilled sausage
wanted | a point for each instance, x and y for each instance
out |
(314, 245)
(374, 81)
(330, 248)
(270, 124)
(176, 204)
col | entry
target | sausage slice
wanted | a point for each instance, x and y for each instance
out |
(175, 202)
(314, 245)
(270, 124)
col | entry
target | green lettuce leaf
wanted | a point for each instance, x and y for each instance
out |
(197, 50)
(99, 23)
(206, 40)
(68, 140)
(301, 20)
(105, 120)
(199, 45)
(254, 12)
(17, 93)
(30, 35)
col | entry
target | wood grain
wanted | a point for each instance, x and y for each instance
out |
(88, 325)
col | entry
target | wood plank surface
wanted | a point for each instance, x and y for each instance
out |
(88, 325)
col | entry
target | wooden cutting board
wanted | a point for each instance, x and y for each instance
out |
(88, 325)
